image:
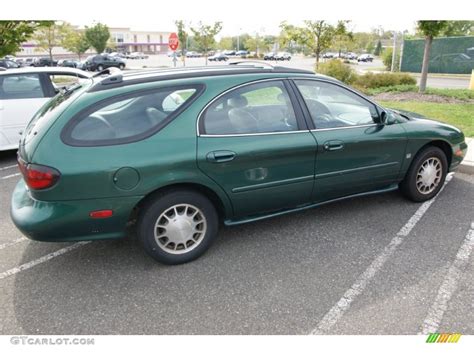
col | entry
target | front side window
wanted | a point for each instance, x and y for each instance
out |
(332, 106)
(24, 86)
(263, 107)
(128, 118)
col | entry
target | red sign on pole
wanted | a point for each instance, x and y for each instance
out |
(173, 41)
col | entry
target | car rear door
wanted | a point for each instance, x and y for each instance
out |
(253, 142)
(21, 95)
(357, 153)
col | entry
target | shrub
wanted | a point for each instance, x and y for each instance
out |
(338, 70)
(372, 81)
(387, 59)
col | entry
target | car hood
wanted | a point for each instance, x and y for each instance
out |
(413, 116)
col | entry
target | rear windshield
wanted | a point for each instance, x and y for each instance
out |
(128, 118)
(50, 109)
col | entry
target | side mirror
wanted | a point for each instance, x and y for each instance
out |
(387, 119)
(383, 117)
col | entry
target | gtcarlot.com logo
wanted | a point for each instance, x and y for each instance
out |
(33, 340)
(443, 338)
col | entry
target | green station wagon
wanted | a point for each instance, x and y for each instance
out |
(181, 151)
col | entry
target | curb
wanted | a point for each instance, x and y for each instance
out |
(466, 168)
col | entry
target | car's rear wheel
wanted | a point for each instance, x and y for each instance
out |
(121, 66)
(100, 67)
(426, 174)
(178, 226)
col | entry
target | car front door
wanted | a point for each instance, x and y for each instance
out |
(356, 151)
(21, 95)
(253, 142)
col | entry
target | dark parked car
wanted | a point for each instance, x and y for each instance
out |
(103, 61)
(242, 53)
(8, 64)
(218, 57)
(176, 153)
(44, 62)
(365, 58)
(69, 63)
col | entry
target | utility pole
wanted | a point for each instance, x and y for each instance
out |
(394, 50)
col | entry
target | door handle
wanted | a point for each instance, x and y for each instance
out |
(220, 156)
(333, 145)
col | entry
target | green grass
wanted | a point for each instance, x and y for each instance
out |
(460, 94)
(460, 115)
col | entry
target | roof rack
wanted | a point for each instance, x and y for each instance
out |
(250, 62)
(115, 76)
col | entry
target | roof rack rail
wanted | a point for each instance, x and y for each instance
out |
(250, 62)
(114, 76)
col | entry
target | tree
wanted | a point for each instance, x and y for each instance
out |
(14, 33)
(342, 37)
(75, 42)
(183, 39)
(50, 35)
(254, 44)
(429, 29)
(459, 28)
(226, 43)
(317, 36)
(378, 48)
(204, 36)
(97, 36)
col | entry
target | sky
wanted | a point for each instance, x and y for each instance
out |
(240, 16)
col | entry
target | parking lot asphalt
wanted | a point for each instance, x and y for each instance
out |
(373, 265)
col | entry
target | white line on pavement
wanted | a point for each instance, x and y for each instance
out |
(13, 242)
(8, 167)
(10, 176)
(41, 260)
(449, 285)
(338, 310)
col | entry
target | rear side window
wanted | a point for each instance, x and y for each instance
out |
(128, 118)
(263, 107)
(24, 86)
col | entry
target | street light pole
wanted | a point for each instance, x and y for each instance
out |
(394, 51)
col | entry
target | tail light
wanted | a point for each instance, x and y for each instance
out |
(38, 177)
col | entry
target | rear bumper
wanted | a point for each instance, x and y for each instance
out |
(65, 221)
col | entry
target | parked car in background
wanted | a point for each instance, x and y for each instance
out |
(365, 58)
(180, 152)
(218, 57)
(282, 56)
(269, 56)
(8, 64)
(329, 55)
(350, 56)
(100, 62)
(44, 62)
(242, 53)
(23, 91)
(137, 55)
(229, 53)
(193, 54)
(170, 53)
(69, 63)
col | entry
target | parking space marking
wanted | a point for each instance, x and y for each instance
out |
(338, 310)
(13, 242)
(10, 176)
(41, 260)
(8, 167)
(449, 285)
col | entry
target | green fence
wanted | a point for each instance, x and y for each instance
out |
(454, 55)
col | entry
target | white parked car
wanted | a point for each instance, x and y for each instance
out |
(24, 91)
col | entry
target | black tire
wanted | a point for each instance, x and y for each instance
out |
(409, 186)
(100, 67)
(121, 67)
(153, 209)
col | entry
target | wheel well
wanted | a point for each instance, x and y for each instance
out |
(445, 147)
(204, 190)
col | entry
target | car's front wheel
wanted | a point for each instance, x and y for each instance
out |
(177, 226)
(426, 174)
(121, 66)
(100, 67)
